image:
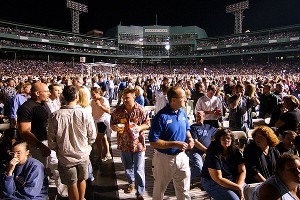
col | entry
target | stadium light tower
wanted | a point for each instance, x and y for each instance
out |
(237, 9)
(76, 9)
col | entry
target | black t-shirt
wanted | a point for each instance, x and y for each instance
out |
(228, 89)
(229, 167)
(38, 115)
(290, 119)
(102, 86)
(257, 162)
(267, 104)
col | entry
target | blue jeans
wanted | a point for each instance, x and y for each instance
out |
(134, 164)
(196, 163)
(110, 96)
(216, 191)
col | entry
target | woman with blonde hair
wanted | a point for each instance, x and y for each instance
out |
(261, 155)
(101, 114)
(85, 102)
(139, 95)
(250, 90)
(84, 98)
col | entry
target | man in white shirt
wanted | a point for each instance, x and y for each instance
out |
(72, 149)
(54, 102)
(162, 100)
(211, 105)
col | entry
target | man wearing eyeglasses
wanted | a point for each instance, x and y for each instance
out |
(25, 177)
(33, 122)
(170, 136)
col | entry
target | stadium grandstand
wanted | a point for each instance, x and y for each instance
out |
(138, 48)
(149, 44)
(143, 56)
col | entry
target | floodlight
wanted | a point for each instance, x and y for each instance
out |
(76, 8)
(167, 47)
(237, 9)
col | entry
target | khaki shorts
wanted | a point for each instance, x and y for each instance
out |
(72, 175)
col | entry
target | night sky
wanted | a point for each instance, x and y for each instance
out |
(207, 14)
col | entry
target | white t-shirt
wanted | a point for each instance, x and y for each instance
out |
(206, 104)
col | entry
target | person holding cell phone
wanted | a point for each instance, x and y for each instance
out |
(240, 110)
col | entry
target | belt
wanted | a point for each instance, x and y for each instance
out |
(169, 154)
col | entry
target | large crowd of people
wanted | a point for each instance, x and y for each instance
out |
(56, 110)
(24, 31)
(43, 68)
(157, 51)
(153, 46)
(52, 47)
(250, 49)
(57, 36)
(257, 38)
(81, 104)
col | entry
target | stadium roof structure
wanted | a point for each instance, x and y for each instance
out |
(249, 33)
(155, 30)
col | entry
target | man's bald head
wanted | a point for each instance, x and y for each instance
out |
(39, 92)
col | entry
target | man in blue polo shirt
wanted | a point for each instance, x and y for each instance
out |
(170, 136)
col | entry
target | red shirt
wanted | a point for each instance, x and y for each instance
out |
(125, 140)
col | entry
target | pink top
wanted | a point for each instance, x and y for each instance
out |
(97, 112)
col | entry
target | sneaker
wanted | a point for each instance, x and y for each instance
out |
(130, 188)
(106, 158)
(109, 157)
